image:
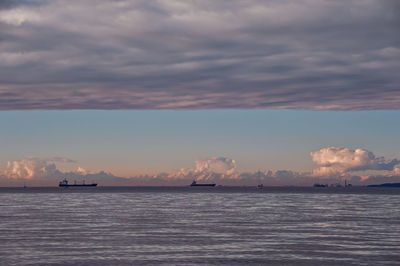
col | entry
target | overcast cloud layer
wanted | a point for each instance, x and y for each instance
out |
(97, 54)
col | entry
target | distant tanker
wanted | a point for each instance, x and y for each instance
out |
(194, 184)
(64, 183)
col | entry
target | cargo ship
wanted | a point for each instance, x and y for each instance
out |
(195, 184)
(64, 183)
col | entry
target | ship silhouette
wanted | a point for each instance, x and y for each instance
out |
(195, 184)
(64, 183)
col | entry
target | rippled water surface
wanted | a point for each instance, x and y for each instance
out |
(190, 227)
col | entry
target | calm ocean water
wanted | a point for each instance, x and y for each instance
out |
(192, 226)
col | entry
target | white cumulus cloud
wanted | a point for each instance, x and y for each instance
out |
(337, 160)
(82, 171)
(30, 168)
(333, 165)
(44, 171)
(208, 169)
(221, 165)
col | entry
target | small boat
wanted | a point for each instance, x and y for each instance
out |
(64, 183)
(260, 186)
(195, 184)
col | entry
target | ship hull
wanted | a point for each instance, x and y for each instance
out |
(78, 185)
(202, 185)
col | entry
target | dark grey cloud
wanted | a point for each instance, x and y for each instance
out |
(200, 54)
(5, 4)
(8, 4)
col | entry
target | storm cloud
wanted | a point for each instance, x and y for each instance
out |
(310, 54)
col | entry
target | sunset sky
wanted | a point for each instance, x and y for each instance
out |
(162, 92)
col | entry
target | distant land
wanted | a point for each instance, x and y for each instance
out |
(386, 185)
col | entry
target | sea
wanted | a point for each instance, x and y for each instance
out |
(199, 226)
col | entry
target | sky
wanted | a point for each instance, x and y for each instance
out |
(236, 92)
